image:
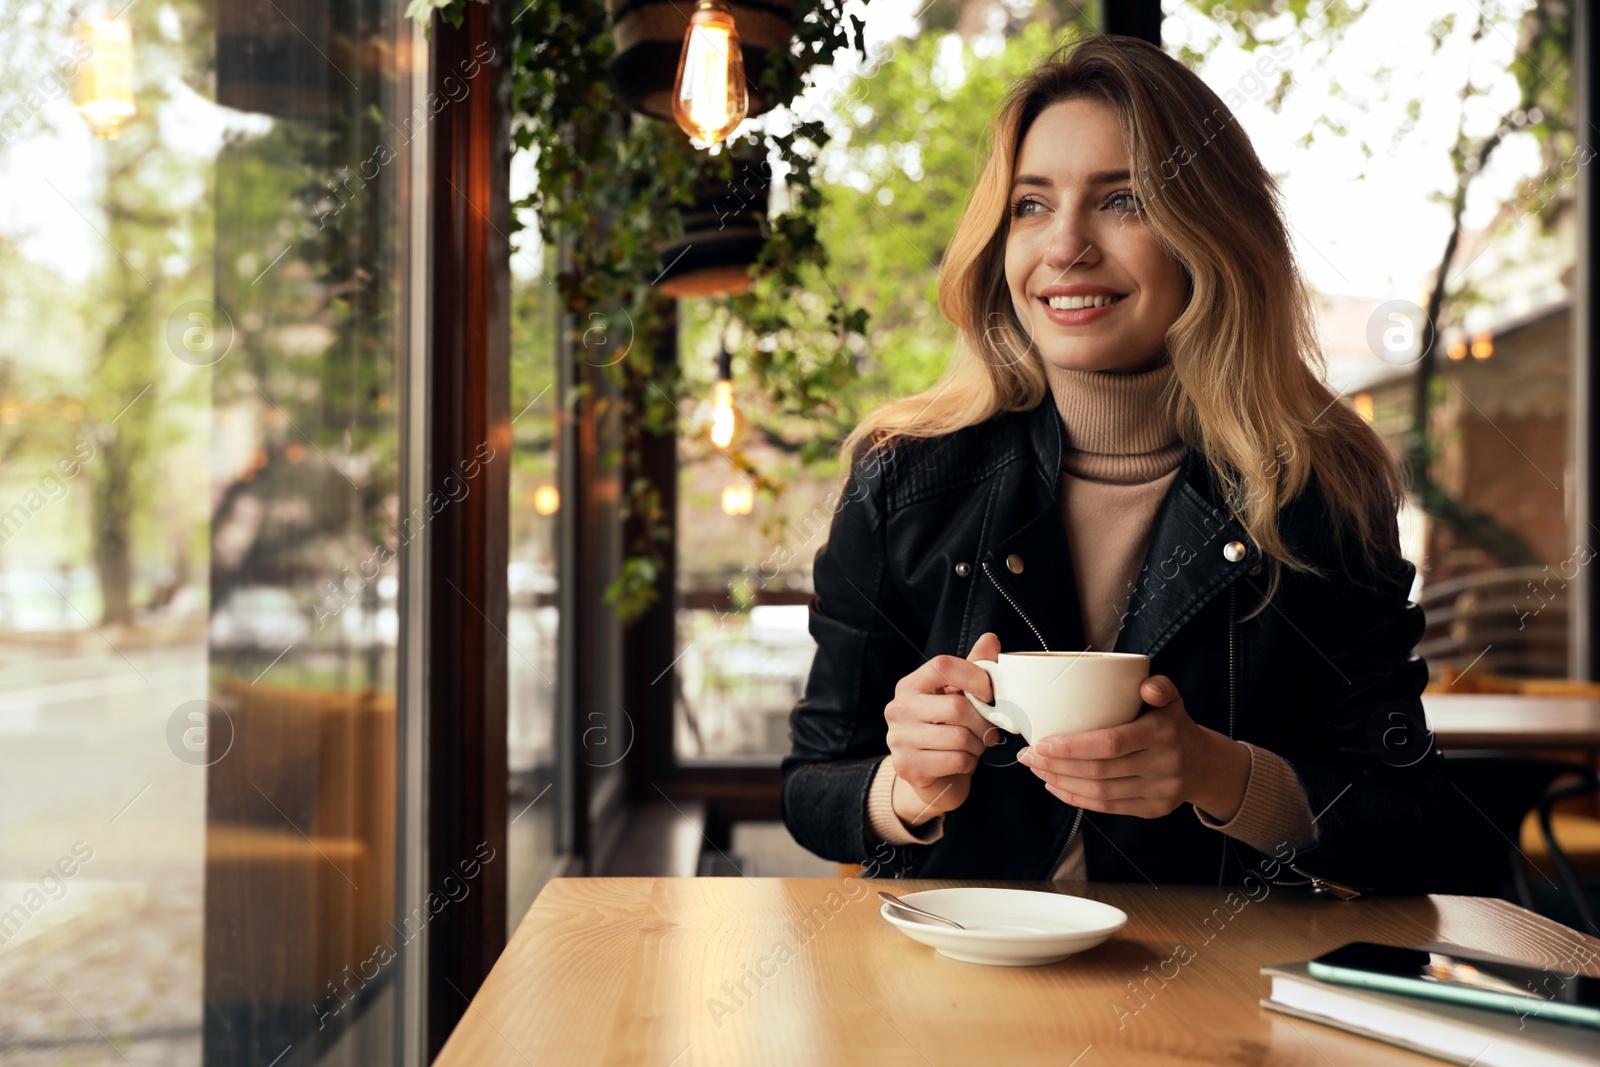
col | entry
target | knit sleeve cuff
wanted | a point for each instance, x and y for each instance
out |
(885, 824)
(1274, 810)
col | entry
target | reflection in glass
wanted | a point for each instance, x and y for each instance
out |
(301, 935)
(200, 345)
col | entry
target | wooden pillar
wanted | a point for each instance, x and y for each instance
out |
(469, 468)
(1584, 485)
(650, 641)
(1132, 18)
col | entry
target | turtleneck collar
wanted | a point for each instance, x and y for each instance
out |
(1117, 427)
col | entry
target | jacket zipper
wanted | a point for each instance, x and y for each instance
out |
(1014, 604)
(1077, 819)
(1063, 853)
(1233, 593)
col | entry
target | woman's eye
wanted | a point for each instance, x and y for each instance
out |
(1018, 205)
(1124, 201)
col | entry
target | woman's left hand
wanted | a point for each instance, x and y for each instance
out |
(1147, 767)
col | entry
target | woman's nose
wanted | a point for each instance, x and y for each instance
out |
(1069, 247)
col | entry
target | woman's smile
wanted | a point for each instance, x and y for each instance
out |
(1075, 305)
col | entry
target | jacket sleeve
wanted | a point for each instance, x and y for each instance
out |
(867, 640)
(1387, 818)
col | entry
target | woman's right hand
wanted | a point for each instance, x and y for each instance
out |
(935, 735)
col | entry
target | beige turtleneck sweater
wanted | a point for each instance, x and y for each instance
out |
(1121, 457)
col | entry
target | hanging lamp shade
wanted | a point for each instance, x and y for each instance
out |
(721, 239)
(648, 35)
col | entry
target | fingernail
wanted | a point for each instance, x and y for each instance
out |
(1025, 757)
(1046, 748)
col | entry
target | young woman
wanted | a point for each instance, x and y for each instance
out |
(1132, 450)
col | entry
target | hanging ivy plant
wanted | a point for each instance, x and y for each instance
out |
(615, 183)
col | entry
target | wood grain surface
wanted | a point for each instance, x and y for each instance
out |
(691, 971)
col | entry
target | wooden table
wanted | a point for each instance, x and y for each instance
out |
(682, 972)
(1495, 720)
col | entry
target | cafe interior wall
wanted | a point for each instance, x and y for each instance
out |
(1501, 424)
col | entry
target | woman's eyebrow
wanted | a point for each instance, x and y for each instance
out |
(1101, 177)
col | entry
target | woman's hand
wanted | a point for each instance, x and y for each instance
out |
(935, 736)
(1146, 767)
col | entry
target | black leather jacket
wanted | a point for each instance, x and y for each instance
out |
(936, 541)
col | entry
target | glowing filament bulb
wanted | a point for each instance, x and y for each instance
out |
(722, 413)
(708, 96)
(738, 498)
(104, 89)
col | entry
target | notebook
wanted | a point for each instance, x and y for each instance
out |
(1454, 1032)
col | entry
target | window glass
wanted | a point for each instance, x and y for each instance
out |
(203, 340)
(536, 836)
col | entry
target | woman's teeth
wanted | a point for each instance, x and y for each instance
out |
(1073, 303)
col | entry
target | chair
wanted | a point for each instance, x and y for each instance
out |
(1579, 832)
(1512, 792)
(300, 860)
(1500, 615)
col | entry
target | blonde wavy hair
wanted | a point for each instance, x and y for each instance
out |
(1248, 371)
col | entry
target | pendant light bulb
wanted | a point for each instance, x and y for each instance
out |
(103, 91)
(738, 498)
(727, 423)
(722, 413)
(708, 95)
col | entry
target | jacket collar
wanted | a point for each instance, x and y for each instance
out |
(1048, 441)
(1186, 563)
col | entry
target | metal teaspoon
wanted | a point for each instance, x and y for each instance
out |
(885, 895)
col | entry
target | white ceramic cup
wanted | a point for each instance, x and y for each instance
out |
(1040, 694)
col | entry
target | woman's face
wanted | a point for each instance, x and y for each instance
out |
(1075, 236)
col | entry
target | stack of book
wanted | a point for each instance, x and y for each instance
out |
(1480, 1036)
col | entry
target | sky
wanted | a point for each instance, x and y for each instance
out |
(1367, 226)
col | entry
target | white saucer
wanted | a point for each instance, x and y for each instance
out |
(1007, 927)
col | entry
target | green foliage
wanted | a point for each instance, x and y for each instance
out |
(1242, 20)
(92, 370)
(613, 184)
(454, 11)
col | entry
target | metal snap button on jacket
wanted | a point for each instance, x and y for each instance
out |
(1234, 551)
(963, 569)
(1014, 563)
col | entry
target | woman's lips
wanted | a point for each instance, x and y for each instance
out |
(1079, 316)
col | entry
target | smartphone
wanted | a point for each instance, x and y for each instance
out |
(1463, 976)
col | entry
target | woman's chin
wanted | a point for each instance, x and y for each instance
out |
(1112, 361)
